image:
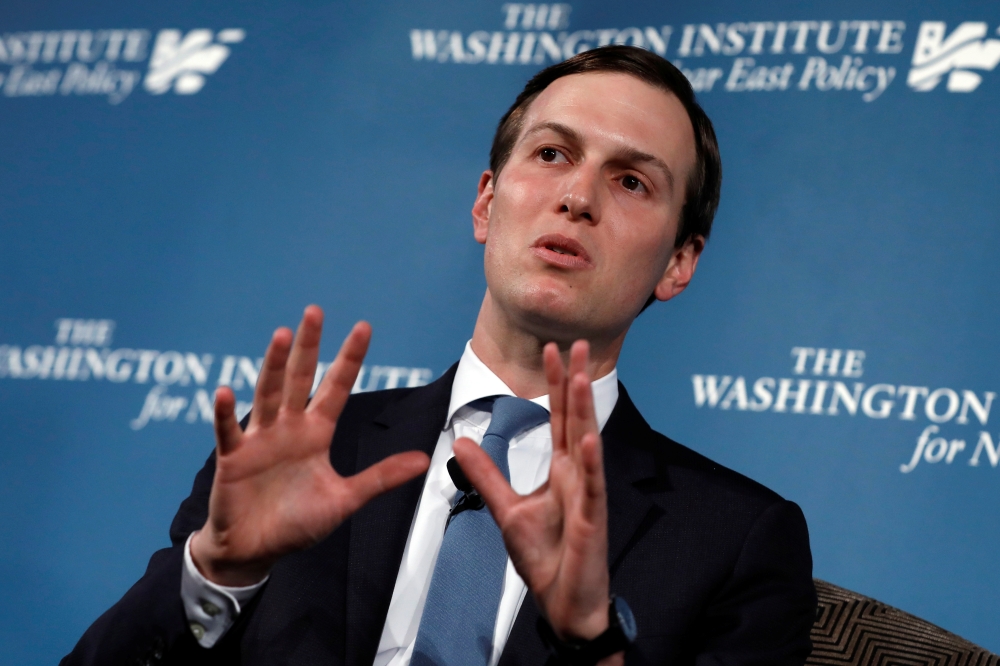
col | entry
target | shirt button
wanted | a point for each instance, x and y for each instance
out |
(197, 630)
(210, 609)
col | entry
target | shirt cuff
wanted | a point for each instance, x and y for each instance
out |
(211, 609)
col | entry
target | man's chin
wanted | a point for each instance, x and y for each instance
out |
(557, 319)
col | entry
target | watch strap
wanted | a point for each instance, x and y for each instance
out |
(584, 652)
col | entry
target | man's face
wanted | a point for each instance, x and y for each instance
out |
(579, 226)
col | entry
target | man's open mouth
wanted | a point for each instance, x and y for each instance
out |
(562, 251)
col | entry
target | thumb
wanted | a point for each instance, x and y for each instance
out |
(382, 477)
(484, 476)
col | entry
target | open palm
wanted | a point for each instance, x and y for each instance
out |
(557, 535)
(275, 490)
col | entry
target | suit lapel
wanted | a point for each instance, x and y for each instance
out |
(380, 529)
(628, 461)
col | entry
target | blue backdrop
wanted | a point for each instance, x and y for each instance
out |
(178, 179)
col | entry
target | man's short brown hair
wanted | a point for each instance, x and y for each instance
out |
(703, 185)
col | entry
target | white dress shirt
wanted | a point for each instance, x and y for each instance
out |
(211, 609)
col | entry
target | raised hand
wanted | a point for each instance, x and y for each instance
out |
(557, 536)
(275, 490)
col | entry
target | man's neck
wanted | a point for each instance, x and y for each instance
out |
(515, 354)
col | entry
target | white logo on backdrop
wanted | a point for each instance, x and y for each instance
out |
(860, 56)
(104, 62)
(82, 352)
(964, 49)
(826, 385)
(184, 63)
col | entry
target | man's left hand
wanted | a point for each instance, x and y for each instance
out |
(557, 536)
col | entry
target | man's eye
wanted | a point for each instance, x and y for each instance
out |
(631, 183)
(550, 155)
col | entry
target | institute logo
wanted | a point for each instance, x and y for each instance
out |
(860, 55)
(963, 50)
(112, 63)
(828, 383)
(178, 386)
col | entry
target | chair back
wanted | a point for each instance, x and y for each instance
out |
(855, 630)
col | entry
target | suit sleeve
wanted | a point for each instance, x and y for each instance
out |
(765, 611)
(148, 625)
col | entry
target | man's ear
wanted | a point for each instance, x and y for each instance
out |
(680, 270)
(482, 208)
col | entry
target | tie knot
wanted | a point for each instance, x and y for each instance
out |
(512, 416)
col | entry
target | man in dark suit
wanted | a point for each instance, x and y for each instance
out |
(604, 178)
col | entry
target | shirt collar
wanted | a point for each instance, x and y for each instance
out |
(473, 381)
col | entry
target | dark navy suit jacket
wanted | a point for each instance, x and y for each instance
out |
(716, 568)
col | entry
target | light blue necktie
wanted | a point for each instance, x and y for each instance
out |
(461, 609)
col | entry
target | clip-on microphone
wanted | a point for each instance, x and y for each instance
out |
(471, 499)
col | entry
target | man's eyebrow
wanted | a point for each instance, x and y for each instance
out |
(553, 126)
(625, 154)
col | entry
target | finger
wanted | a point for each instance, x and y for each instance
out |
(336, 386)
(581, 411)
(555, 375)
(301, 369)
(594, 501)
(382, 477)
(591, 455)
(227, 429)
(267, 395)
(486, 478)
(579, 355)
(580, 418)
(580, 398)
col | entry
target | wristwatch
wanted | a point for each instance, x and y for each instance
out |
(619, 635)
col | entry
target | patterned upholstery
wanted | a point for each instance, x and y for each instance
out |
(856, 630)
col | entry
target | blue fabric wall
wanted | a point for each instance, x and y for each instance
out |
(178, 179)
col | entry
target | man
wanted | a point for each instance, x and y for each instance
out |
(604, 178)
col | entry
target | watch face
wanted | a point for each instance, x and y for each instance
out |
(625, 619)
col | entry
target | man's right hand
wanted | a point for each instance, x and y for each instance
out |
(275, 490)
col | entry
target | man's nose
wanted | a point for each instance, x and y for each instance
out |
(580, 198)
